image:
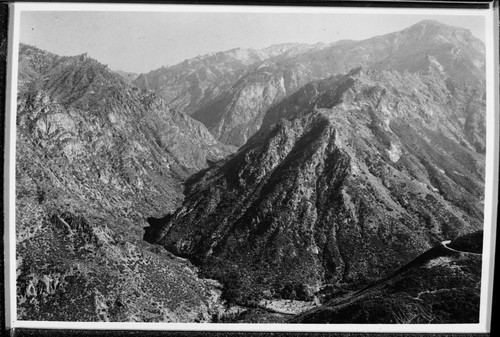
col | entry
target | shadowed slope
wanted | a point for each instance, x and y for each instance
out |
(439, 286)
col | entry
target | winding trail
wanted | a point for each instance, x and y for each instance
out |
(447, 242)
(440, 250)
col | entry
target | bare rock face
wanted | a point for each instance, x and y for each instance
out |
(237, 112)
(95, 157)
(345, 179)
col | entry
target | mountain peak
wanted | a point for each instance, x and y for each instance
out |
(84, 57)
(436, 27)
(430, 22)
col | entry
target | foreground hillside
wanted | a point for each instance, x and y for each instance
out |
(442, 285)
(359, 173)
(95, 157)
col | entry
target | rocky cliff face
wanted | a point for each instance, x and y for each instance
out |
(345, 179)
(95, 157)
(237, 113)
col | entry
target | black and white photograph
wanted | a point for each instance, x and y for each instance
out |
(205, 167)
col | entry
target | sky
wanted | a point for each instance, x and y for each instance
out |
(144, 41)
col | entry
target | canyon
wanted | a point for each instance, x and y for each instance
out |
(295, 183)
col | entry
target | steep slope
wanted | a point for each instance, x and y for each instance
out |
(33, 62)
(362, 171)
(237, 113)
(94, 158)
(195, 82)
(74, 267)
(439, 286)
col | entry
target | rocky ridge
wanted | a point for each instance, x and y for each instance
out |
(95, 157)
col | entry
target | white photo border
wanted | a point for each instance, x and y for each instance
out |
(491, 176)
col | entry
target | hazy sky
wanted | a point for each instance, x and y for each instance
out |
(143, 41)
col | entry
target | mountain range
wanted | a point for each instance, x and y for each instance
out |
(296, 172)
(235, 105)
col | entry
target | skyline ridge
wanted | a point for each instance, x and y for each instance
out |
(242, 44)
